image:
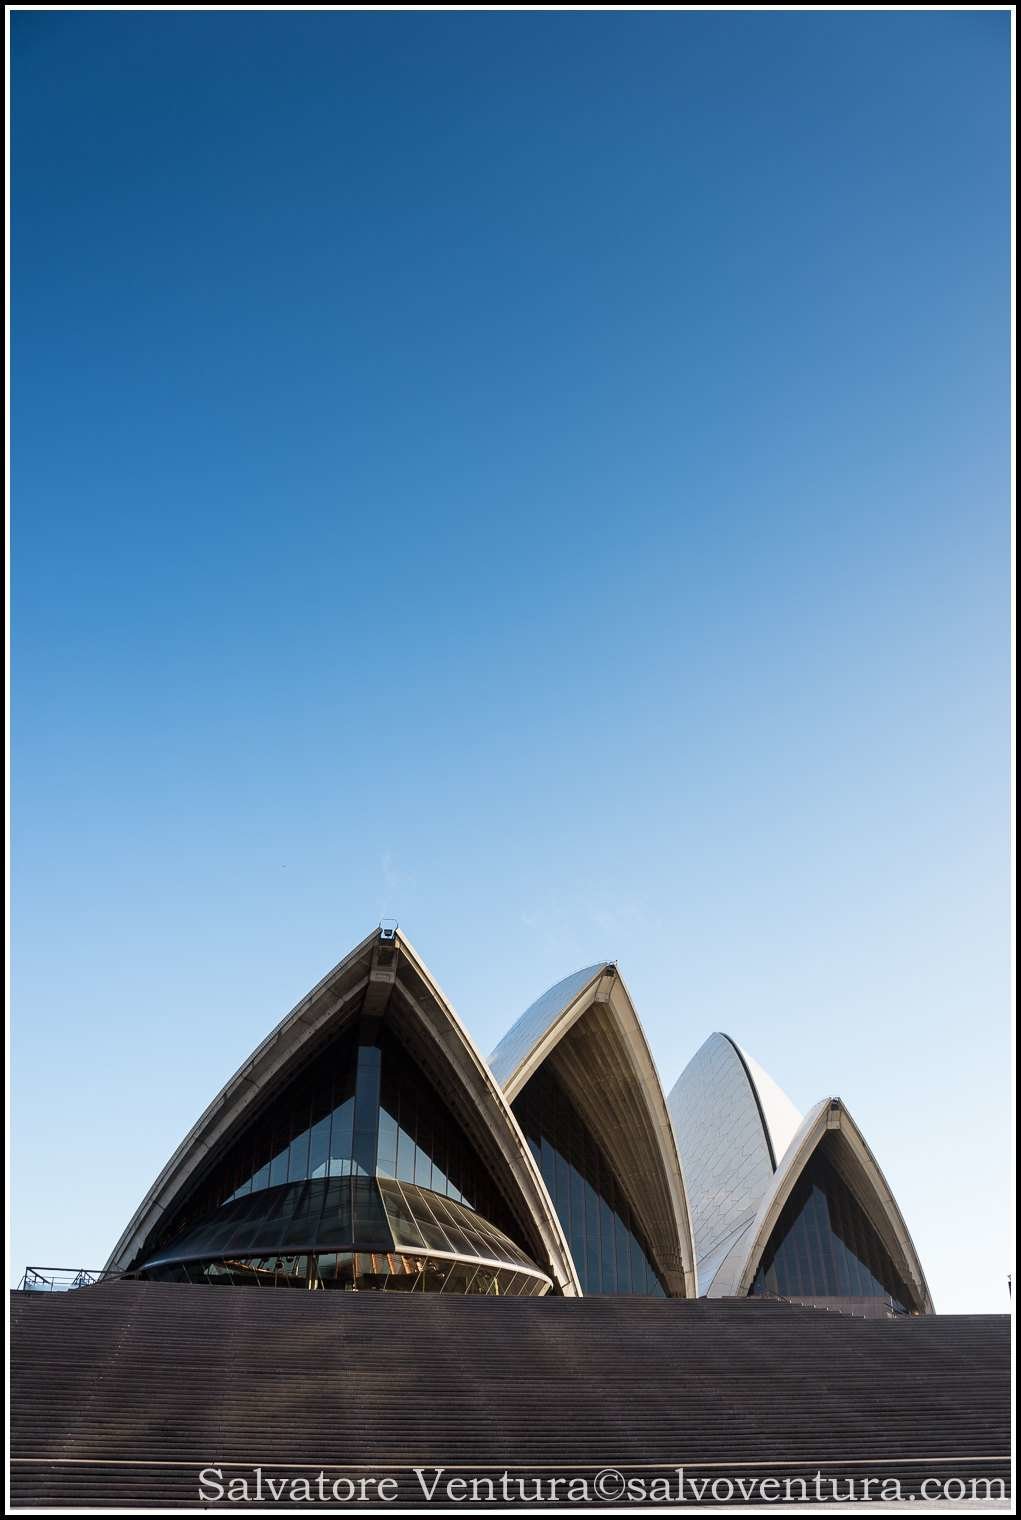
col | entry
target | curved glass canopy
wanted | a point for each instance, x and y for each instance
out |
(358, 1271)
(340, 1232)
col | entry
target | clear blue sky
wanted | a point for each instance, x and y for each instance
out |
(544, 477)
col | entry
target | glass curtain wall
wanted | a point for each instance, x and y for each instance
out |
(605, 1238)
(420, 1142)
(824, 1244)
(362, 1108)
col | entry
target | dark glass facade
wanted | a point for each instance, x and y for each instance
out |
(361, 1108)
(418, 1140)
(824, 1245)
(605, 1238)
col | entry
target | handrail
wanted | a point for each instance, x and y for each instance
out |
(63, 1279)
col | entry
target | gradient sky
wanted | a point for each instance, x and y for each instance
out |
(544, 477)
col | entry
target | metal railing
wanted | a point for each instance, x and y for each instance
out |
(62, 1279)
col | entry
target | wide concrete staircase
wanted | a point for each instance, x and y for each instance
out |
(123, 1392)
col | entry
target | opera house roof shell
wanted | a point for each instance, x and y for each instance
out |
(714, 1280)
(368, 1143)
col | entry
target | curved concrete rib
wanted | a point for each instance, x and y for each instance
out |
(377, 976)
(587, 1026)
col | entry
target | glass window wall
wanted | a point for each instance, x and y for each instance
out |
(362, 1107)
(824, 1244)
(605, 1238)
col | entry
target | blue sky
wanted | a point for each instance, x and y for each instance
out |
(544, 477)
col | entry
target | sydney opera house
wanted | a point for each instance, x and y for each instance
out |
(599, 1283)
(367, 1144)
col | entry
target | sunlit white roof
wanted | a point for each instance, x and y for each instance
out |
(526, 1031)
(732, 1122)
